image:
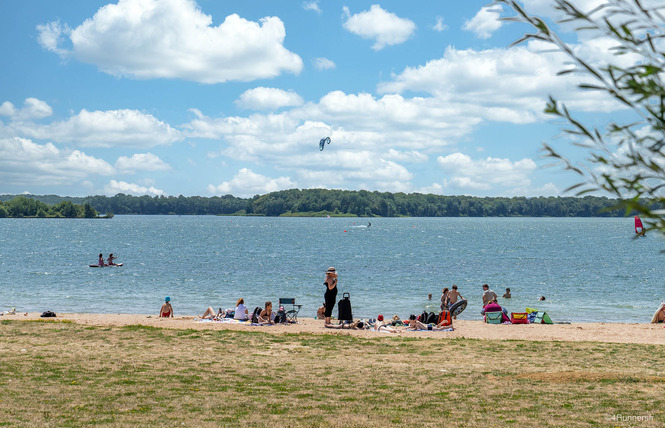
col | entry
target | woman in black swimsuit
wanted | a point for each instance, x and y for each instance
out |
(331, 293)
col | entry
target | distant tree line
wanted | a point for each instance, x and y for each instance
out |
(22, 206)
(310, 202)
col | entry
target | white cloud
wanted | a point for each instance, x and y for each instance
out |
(312, 5)
(503, 84)
(484, 174)
(114, 187)
(262, 98)
(128, 128)
(141, 162)
(174, 39)
(385, 28)
(32, 109)
(247, 183)
(439, 26)
(24, 162)
(485, 22)
(323, 64)
(51, 35)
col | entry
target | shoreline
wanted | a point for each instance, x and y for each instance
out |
(639, 333)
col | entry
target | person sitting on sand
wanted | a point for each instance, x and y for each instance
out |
(110, 260)
(101, 260)
(358, 325)
(321, 312)
(167, 309)
(659, 315)
(265, 317)
(507, 294)
(241, 312)
(381, 325)
(494, 306)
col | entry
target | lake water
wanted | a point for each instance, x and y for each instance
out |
(589, 269)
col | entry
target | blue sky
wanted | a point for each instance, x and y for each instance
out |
(171, 97)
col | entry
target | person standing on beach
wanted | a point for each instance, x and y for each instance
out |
(444, 299)
(331, 293)
(453, 297)
(167, 309)
(488, 295)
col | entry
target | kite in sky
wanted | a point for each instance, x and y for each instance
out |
(323, 142)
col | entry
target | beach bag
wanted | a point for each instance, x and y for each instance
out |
(432, 318)
(47, 314)
(281, 316)
(518, 318)
(344, 308)
(444, 318)
(255, 314)
(423, 317)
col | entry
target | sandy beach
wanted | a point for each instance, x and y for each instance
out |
(575, 332)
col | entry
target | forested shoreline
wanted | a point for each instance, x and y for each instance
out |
(31, 207)
(310, 202)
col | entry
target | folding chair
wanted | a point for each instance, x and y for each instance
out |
(494, 317)
(291, 314)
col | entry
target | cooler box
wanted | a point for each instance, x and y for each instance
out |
(518, 318)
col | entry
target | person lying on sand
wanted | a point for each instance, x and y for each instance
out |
(210, 314)
(381, 325)
(358, 325)
(414, 324)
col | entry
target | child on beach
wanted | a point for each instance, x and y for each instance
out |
(167, 309)
(321, 312)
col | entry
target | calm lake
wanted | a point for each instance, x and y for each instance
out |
(589, 269)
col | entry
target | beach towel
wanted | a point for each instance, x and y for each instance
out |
(655, 314)
(424, 329)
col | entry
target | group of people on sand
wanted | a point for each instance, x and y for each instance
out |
(240, 313)
(107, 262)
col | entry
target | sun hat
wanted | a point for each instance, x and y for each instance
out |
(331, 269)
(168, 299)
(380, 317)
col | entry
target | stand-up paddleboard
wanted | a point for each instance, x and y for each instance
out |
(117, 264)
(458, 307)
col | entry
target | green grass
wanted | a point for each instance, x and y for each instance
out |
(65, 374)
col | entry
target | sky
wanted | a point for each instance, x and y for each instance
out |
(207, 97)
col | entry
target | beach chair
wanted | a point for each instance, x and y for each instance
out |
(494, 317)
(291, 314)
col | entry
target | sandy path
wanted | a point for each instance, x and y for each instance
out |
(595, 332)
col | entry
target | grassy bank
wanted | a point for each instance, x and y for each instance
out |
(65, 374)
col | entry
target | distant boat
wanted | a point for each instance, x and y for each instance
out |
(639, 229)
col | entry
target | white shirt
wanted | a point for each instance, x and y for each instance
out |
(241, 312)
